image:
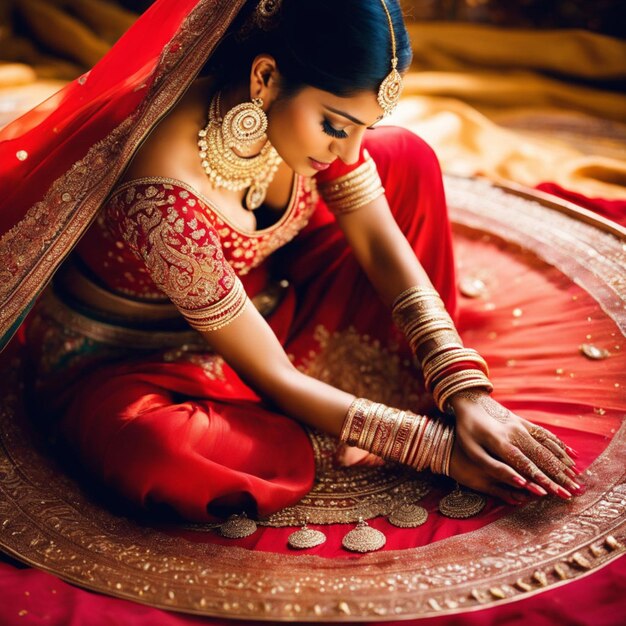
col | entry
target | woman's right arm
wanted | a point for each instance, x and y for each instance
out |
(251, 348)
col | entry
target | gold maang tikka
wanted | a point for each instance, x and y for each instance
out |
(391, 88)
(243, 125)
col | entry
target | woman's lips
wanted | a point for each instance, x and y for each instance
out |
(318, 165)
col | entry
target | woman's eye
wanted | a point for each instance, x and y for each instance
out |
(329, 129)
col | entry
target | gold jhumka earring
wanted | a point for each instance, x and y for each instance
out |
(241, 127)
(391, 88)
(364, 538)
(460, 504)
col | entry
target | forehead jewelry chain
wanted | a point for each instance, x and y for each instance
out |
(391, 88)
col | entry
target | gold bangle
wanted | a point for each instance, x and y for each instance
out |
(424, 446)
(410, 440)
(413, 291)
(440, 337)
(385, 427)
(450, 447)
(454, 379)
(430, 327)
(370, 429)
(475, 379)
(417, 442)
(484, 384)
(437, 350)
(433, 370)
(404, 435)
(354, 421)
(395, 418)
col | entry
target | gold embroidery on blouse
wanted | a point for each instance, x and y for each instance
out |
(189, 268)
(353, 190)
(245, 249)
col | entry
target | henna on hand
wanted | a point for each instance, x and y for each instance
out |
(491, 407)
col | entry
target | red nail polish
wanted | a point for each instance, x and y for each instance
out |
(572, 451)
(569, 473)
(536, 489)
(563, 493)
(522, 482)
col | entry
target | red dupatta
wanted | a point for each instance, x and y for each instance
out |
(59, 161)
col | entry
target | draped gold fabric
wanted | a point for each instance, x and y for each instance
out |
(513, 105)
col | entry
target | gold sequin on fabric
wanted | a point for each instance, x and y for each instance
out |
(361, 365)
(306, 538)
(353, 190)
(238, 527)
(242, 249)
(408, 516)
(593, 352)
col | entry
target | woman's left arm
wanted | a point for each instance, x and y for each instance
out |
(492, 437)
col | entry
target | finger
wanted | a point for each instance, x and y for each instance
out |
(527, 468)
(548, 463)
(501, 492)
(496, 469)
(549, 440)
(556, 450)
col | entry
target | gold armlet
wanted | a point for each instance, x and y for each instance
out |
(219, 314)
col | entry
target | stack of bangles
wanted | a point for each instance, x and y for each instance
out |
(447, 366)
(400, 436)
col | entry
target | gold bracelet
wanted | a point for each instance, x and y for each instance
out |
(385, 426)
(354, 421)
(474, 379)
(414, 427)
(432, 371)
(484, 384)
(424, 447)
(439, 349)
(439, 338)
(456, 378)
(413, 292)
(417, 441)
(369, 432)
(395, 418)
(449, 449)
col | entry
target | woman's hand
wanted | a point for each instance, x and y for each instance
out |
(494, 447)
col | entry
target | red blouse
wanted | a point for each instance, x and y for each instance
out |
(159, 239)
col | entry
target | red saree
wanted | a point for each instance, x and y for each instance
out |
(162, 421)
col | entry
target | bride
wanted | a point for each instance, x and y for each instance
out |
(243, 186)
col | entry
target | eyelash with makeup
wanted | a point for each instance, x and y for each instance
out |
(329, 129)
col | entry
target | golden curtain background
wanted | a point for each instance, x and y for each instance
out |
(524, 104)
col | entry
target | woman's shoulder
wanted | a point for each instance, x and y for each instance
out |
(170, 151)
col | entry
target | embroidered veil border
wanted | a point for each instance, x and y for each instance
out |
(59, 162)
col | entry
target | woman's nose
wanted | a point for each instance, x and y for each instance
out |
(348, 149)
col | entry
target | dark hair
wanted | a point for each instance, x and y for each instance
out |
(340, 46)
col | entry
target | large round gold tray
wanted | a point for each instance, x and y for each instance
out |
(49, 523)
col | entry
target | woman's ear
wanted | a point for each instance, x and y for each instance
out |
(264, 79)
